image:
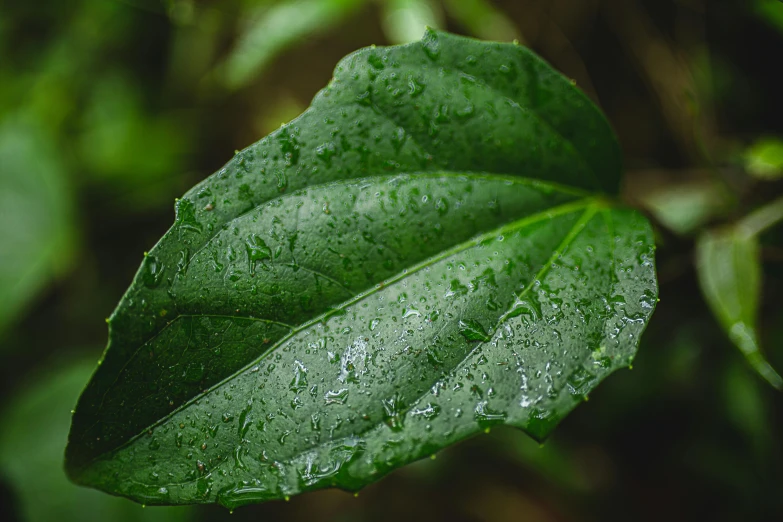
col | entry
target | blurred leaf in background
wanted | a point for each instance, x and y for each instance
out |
(269, 28)
(38, 234)
(34, 431)
(124, 147)
(403, 20)
(553, 461)
(772, 12)
(729, 268)
(748, 408)
(483, 20)
(684, 207)
(764, 159)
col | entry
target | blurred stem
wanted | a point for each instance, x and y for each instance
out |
(661, 66)
(666, 71)
(484, 20)
(759, 220)
(563, 53)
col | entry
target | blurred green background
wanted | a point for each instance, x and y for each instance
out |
(109, 109)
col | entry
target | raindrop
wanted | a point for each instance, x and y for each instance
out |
(393, 415)
(415, 87)
(376, 61)
(431, 44)
(185, 212)
(336, 397)
(429, 412)
(486, 416)
(299, 382)
(257, 250)
(648, 300)
(472, 330)
(152, 273)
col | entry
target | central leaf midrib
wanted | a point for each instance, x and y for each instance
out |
(563, 209)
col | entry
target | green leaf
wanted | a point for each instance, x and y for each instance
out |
(273, 29)
(748, 408)
(764, 159)
(404, 20)
(134, 154)
(729, 270)
(35, 426)
(35, 207)
(684, 207)
(423, 253)
(771, 11)
(483, 19)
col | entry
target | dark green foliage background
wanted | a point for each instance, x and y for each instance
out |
(123, 104)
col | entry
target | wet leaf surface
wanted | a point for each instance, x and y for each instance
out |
(427, 251)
